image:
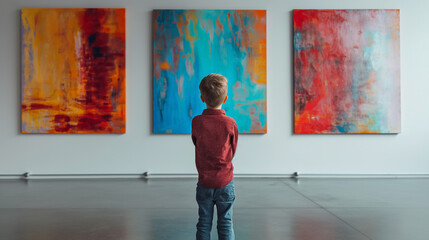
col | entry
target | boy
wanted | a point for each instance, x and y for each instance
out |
(215, 138)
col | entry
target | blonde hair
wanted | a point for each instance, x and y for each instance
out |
(214, 88)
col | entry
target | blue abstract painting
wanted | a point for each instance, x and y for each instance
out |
(190, 44)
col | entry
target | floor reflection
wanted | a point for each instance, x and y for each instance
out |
(306, 228)
(70, 224)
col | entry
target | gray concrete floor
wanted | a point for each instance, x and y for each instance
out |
(331, 209)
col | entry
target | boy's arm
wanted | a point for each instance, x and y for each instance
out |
(234, 139)
(194, 139)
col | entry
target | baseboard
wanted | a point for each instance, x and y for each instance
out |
(310, 175)
(28, 176)
(150, 175)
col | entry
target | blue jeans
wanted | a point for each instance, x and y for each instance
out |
(223, 198)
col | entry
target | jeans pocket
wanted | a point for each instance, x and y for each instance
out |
(227, 193)
(203, 194)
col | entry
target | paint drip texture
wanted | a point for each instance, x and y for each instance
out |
(347, 71)
(190, 44)
(73, 70)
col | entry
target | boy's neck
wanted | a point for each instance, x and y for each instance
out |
(218, 107)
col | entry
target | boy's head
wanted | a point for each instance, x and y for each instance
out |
(214, 88)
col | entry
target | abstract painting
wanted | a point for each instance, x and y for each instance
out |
(190, 44)
(347, 71)
(73, 70)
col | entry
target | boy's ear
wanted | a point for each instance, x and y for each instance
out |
(226, 98)
(202, 99)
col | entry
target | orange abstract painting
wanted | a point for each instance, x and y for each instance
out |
(73, 70)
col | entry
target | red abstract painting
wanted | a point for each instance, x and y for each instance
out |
(347, 71)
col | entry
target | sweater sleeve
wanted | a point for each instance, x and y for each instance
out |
(194, 138)
(234, 139)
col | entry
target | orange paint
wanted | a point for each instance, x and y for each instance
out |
(164, 66)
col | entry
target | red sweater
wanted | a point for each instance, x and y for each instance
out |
(215, 138)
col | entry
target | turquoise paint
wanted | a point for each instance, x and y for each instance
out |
(213, 48)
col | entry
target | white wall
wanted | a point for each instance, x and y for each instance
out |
(279, 151)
